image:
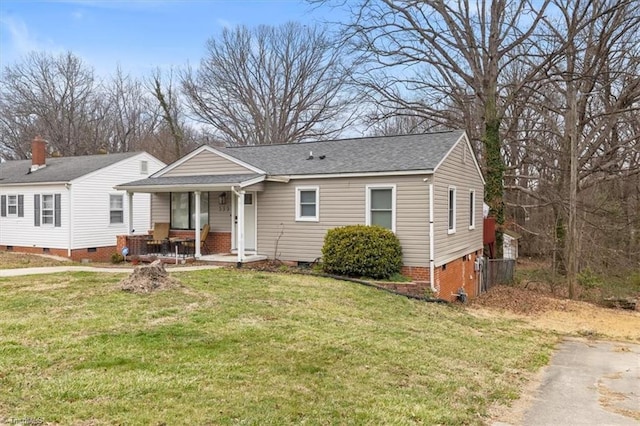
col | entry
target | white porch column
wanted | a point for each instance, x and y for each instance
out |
(240, 227)
(129, 213)
(198, 195)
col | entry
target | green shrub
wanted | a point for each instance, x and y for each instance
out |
(589, 279)
(117, 258)
(362, 251)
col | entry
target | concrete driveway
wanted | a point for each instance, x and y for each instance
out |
(587, 383)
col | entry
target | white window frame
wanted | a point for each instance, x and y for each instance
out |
(472, 209)
(53, 210)
(114, 210)
(451, 227)
(299, 217)
(144, 167)
(390, 186)
(14, 205)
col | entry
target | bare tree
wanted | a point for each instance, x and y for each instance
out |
(271, 85)
(581, 158)
(131, 115)
(51, 96)
(444, 60)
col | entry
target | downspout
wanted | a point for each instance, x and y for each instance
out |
(70, 236)
(130, 213)
(432, 245)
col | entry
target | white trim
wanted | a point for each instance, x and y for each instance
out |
(16, 205)
(286, 178)
(299, 217)
(392, 187)
(252, 181)
(53, 210)
(121, 195)
(133, 159)
(472, 209)
(468, 143)
(450, 188)
(207, 148)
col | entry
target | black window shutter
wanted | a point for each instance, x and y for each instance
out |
(3, 205)
(57, 207)
(20, 205)
(36, 210)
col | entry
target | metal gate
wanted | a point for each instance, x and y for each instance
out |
(496, 271)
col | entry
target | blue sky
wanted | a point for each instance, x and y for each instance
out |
(138, 35)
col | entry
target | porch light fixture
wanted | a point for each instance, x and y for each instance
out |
(222, 198)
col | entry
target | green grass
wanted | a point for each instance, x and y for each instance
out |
(253, 348)
(13, 260)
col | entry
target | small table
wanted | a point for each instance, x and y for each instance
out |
(178, 246)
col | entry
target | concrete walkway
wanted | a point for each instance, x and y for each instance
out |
(586, 383)
(70, 268)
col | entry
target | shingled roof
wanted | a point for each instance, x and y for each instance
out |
(361, 155)
(61, 169)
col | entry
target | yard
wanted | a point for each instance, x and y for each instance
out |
(251, 347)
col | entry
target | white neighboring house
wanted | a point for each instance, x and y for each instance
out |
(68, 206)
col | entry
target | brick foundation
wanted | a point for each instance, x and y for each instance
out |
(101, 254)
(458, 273)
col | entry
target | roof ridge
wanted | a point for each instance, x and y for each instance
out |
(345, 139)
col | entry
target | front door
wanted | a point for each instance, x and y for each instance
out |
(249, 221)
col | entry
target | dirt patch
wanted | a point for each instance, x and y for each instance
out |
(149, 278)
(563, 316)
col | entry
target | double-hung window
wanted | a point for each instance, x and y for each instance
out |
(307, 203)
(116, 209)
(381, 206)
(451, 210)
(12, 205)
(47, 209)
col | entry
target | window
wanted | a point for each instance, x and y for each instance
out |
(144, 167)
(12, 205)
(381, 206)
(183, 210)
(116, 209)
(307, 203)
(452, 210)
(472, 209)
(46, 209)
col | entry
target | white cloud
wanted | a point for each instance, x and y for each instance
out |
(21, 39)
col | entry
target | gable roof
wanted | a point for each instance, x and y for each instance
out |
(421, 152)
(60, 169)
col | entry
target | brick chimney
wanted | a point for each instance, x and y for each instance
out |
(38, 153)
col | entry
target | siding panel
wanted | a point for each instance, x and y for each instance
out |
(457, 170)
(207, 163)
(90, 205)
(342, 202)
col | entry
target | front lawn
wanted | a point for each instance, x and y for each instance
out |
(250, 347)
(12, 260)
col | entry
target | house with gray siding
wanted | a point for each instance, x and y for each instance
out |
(279, 201)
(67, 206)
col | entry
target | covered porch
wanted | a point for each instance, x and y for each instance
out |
(205, 218)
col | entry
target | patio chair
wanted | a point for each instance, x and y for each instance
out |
(160, 236)
(204, 233)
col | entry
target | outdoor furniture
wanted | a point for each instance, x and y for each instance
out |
(204, 233)
(159, 237)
